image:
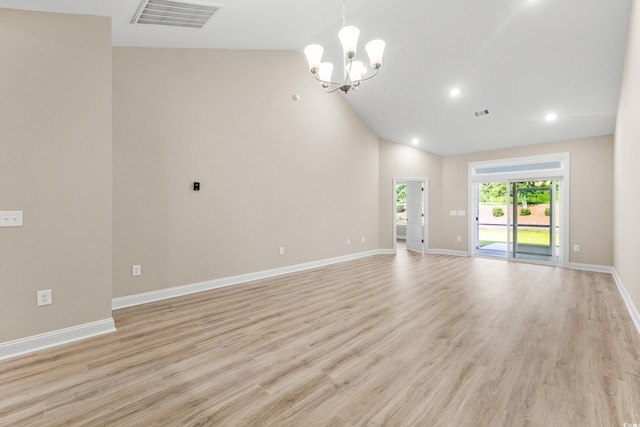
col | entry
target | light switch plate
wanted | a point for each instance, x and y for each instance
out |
(10, 218)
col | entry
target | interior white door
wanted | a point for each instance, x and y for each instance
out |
(415, 216)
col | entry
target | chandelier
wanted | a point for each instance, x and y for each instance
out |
(354, 71)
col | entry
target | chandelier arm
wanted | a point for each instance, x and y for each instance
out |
(315, 75)
(369, 77)
(332, 90)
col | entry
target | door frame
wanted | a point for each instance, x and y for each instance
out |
(425, 206)
(532, 168)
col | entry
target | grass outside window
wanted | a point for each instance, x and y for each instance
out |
(525, 236)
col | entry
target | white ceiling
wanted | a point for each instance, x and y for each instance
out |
(520, 59)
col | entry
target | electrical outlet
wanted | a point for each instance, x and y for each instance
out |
(281, 250)
(576, 248)
(136, 270)
(44, 297)
(458, 239)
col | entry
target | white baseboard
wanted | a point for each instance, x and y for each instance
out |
(631, 308)
(633, 311)
(75, 333)
(143, 298)
(447, 252)
(51, 339)
(591, 267)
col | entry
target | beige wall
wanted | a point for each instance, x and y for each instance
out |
(55, 165)
(627, 161)
(273, 172)
(402, 161)
(591, 200)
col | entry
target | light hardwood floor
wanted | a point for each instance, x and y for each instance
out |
(404, 340)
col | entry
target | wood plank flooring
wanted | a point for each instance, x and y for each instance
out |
(404, 340)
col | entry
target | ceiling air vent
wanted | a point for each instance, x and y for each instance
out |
(481, 113)
(175, 13)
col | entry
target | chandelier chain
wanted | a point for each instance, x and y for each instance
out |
(344, 20)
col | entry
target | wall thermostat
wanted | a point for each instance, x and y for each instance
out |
(196, 186)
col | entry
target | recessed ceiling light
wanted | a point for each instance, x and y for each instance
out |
(551, 117)
(455, 92)
(415, 141)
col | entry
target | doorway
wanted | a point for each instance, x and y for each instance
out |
(410, 213)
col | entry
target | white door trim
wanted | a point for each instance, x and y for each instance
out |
(425, 209)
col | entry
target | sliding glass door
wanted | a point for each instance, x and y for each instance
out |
(521, 208)
(492, 219)
(533, 224)
(518, 219)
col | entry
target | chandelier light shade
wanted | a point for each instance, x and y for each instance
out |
(353, 73)
(314, 56)
(375, 49)
(349, 38)
(325, 71)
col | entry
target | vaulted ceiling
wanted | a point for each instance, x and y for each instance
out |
(519, 59)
